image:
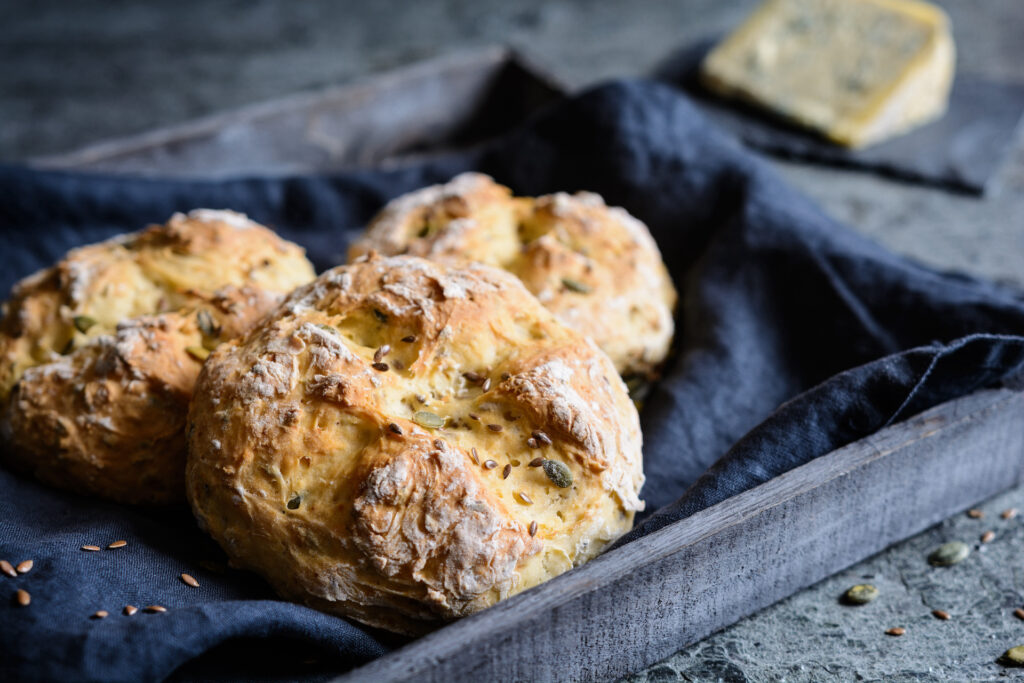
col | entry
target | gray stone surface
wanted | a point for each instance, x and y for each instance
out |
(813, 637)
(77, 72)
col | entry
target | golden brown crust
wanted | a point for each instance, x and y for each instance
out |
(596, 267)
(100, 352)
(335, 479)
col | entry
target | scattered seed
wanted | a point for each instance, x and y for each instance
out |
(495, 428)
(397, 364)
(380, 315)
(1013, 657)
(154, 609)
(439, 444)
(427, 419)
(380, 367)
(421, 398)
(505, 376)
(576, 286)
(532, 443)
(7, 568)
(474, 377)
(558, 473)
(409, 338)
(949, 554)
(395, 429)
(1019, 613)
(117, 544)
(941, 614)
(200, 353)
(490, 464)
(486, 386)
(130, 610)
(206, 324)
(542, 438)
(1009, 513)
(507, 471)
(473, 454)
(295, 502)
(474, 416)
(522, 498)
(861, 594)
(509, 416)
(533, 528)
(91, 548)
(25, 567)
(190, 580)
(83, 323)
(379, 354)
(897, 631)
(100, 614)
(975, 513)
(23, 597)
(987, 536)
(536, 462)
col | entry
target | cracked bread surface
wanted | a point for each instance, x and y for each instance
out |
(595, 267)
(99, 353)
(380, 446)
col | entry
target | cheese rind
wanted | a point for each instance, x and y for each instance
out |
(855, 71)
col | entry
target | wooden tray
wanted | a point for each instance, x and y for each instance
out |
(637, 604)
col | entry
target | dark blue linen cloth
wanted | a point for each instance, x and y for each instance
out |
(796, 336)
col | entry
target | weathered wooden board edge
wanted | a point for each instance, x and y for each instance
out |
(637, 604)
(484, 62)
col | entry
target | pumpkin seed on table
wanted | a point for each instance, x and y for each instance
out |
(23, 598)
(1009, 513)
(1019, 613)
(941, 614)
(117, 544)
(7, 568)
(25, 566)
(896, 631)
(190, 580)
(1013, 657)
(948, 554)
(861, 594)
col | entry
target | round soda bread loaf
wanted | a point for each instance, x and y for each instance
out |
(595, 267)
(99, 353)
(404, 442)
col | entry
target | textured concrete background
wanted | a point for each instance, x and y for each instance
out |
(77, 72)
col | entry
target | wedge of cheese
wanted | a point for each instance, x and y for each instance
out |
(856, 71)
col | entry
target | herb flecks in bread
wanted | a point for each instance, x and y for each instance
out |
(99, 353)
(413, 509)
(595, 267)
